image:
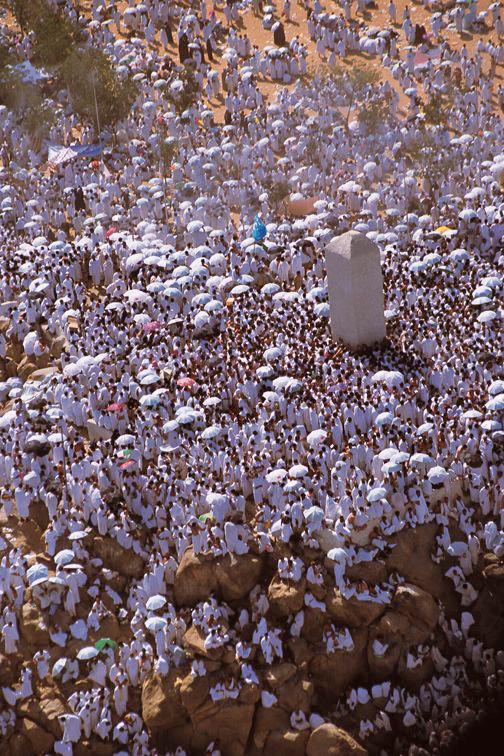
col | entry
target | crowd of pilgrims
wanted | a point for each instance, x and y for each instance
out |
(200, 400)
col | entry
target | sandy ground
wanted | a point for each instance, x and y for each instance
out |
(252, 26)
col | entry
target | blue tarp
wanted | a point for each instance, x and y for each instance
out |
(59, 154)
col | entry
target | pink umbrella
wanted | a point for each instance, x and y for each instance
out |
(154, 325)
(110, 231)
(186, 382)
(420, 59)
(115, 407)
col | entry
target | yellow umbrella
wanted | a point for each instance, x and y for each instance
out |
(442, 230)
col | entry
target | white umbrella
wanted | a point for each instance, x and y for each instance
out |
(487, 316)
(437, 475)
(314, 514)
(272, 354)
(388, 453)
(491, 425)
(71, 370)
(298, 471)
(423, 429)
(211, 432)
(277, 475)
(212, 401)
(421, 459)
(136, 295)
(384, 418)
(376, 494)
(496, 387)
(480, 301)
(349, 186)
(65, 556)
(7, 418)
(316, 437)
(400, 457)
(391, 467)
(126, 440)
(496, 404)
(89, 652)
(471, 414)
(149, 379)
(155, 602)
(155, 623)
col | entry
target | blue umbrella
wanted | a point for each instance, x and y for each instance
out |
(37, 572)
(87, 653)
(59, 666)
(155, 623)
(259, 231)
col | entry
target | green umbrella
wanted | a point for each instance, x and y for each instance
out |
(125, 453)
(205, 517)
(104, 642)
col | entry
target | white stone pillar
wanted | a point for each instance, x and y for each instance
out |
(355, 286)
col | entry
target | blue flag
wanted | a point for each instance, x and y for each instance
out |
(259, 231)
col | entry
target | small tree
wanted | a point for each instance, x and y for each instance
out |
(429, 159)
(38, 119)
(98, 94)
(279, 192)
(373, 113)
(437, 109)
(55, 34)
(16, 94)
(356, 84)
(190, 92)
(21, 10)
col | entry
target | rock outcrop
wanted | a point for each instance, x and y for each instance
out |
(231, 577)
(329, 740)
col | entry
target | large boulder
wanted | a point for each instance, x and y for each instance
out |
(295, 695)
(352, 612)
(372, 572)
(329, 740)
(115, 557)
(232, 577)
(267, 720)
(287, 742)
(33, 628)
(194, 691)
(25, 368)
(411, 558)
(278, 674)
(237, 575)
(286, 597)
(488, 613)
(44, 712)
(40, 740)
(17, 745)
(161, 703)
(412, 678)
(8, 671)
(194, 641)
(195, 578)
(227, 721)
(418, 606)
(382, 667)
(333, 673)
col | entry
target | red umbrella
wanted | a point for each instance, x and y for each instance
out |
(115, 407)
(110, 231)
(186, 382)
(154, 325)
(127, 464)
